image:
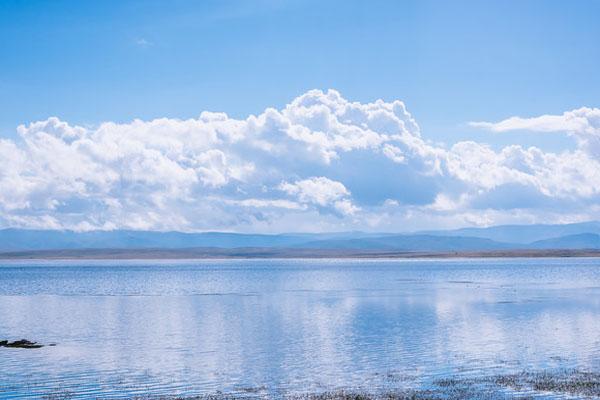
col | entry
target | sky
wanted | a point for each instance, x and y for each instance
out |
(280, 116)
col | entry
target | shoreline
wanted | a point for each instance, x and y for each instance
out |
(561, 383)
(283, 253)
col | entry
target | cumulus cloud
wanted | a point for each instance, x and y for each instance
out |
(323, 192)
(582, 123)
(320, 163)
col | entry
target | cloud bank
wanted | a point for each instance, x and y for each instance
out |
(321, 163)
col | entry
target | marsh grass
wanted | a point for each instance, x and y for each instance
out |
(572, 382)
(522, 386)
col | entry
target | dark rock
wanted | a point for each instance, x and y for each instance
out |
(20, 344)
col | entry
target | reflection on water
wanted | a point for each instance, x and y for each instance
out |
(127, 328)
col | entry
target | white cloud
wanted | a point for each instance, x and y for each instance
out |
(318, 190)
(319, 163)
(346, 207)
(141, 42)
(582, 123)
(323, 192)
(582, 120)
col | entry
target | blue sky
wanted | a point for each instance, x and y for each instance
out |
(451, 63)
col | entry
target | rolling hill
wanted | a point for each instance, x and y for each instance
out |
(509, 237)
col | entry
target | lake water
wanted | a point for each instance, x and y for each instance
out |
(271, 327)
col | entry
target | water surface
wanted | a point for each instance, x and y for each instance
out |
(272, 327)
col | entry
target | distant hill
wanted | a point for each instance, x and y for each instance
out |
(523, 234)
(580, 241)
(410, 243)
(17, 239)
(24, 239)
(509, 237)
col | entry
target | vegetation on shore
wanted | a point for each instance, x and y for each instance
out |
(523, 385)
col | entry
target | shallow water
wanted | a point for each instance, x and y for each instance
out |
(127, 328)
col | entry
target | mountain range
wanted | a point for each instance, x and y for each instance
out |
(507, 237)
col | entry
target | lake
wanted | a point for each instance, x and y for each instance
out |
(282, 327)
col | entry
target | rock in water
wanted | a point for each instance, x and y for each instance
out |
(21, 344)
